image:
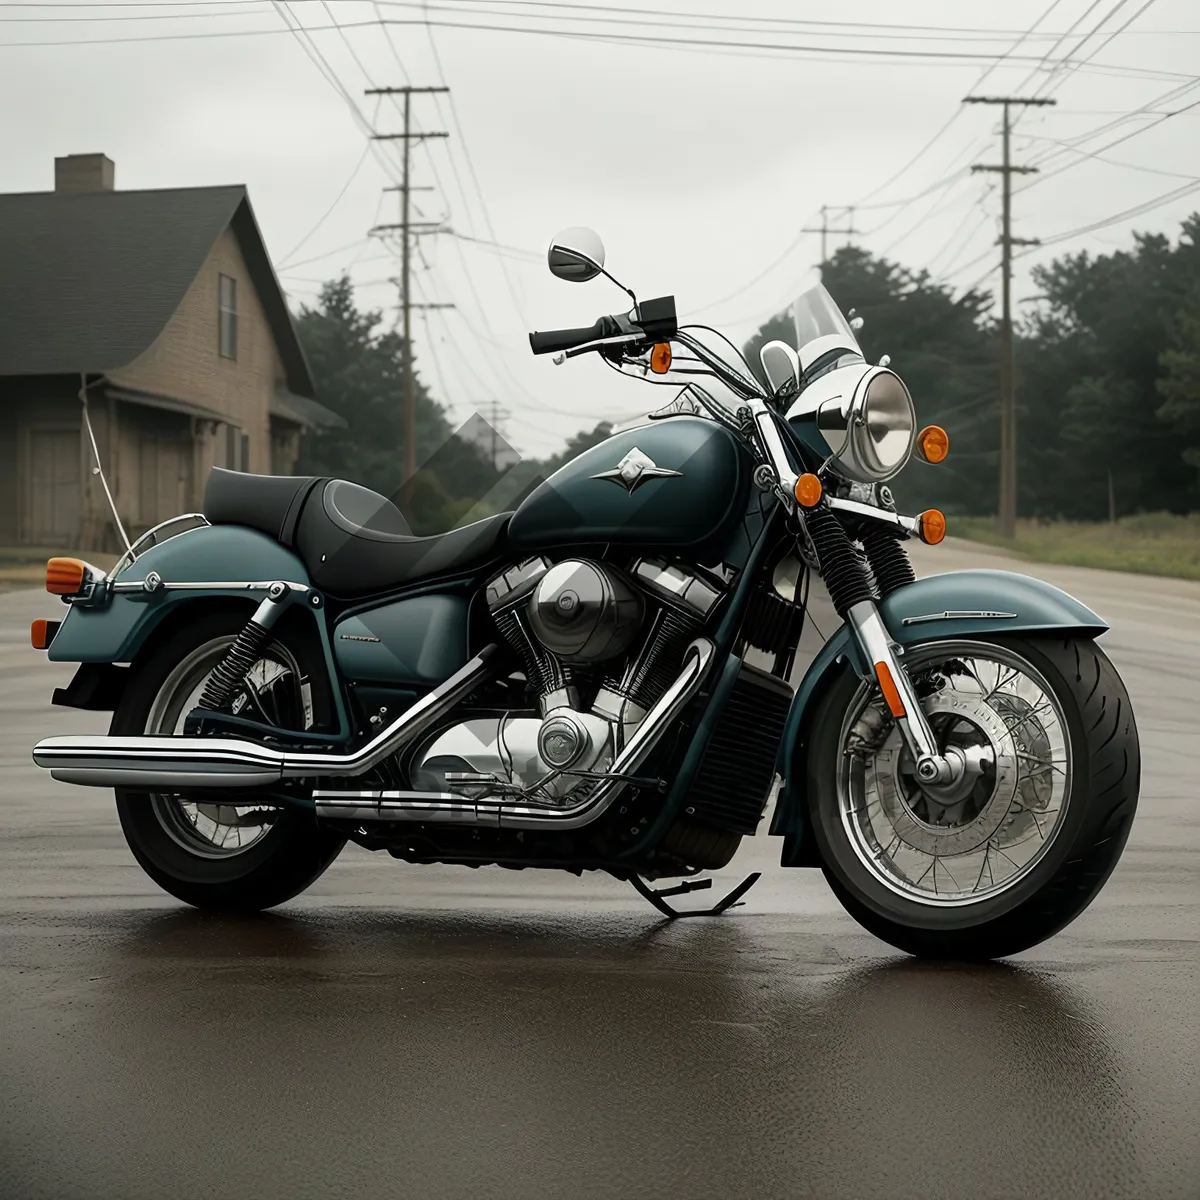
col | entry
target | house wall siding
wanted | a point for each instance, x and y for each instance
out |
(184, 362)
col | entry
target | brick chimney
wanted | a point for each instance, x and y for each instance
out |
(83, 173)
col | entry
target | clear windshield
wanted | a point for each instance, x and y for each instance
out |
(816, 315)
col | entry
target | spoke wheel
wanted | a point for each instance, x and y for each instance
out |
(996, 717)
(274, 692)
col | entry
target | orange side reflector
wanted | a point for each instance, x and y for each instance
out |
(933, 526)
(933, 444)
(64, 576)
(891, 693)
(660, 358)
(808, 491)
(40, 635)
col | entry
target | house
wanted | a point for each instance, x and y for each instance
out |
(163, 309)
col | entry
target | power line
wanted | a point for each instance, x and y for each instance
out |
(912, 162)
(848, 54)
(1137, 210)
(329, 211)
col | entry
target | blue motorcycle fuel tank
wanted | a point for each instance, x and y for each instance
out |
(681, 484)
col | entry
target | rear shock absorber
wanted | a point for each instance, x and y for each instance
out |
(230, 673)
(889, 561)
(842, 569)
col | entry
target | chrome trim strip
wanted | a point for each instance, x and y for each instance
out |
(155, 583)
(909, 526)
(960, 614)
(418, 807)
(178, 763)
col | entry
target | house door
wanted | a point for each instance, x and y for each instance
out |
(52, 510)
(165, 477)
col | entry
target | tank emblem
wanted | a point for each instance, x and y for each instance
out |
(634, 470)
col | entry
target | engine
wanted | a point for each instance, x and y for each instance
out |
(598, 646)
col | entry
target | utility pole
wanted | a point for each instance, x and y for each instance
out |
(1008, 398)
(825, 229)
(408, 229)
(498, 414)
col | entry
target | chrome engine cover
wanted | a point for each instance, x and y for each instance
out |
(517, 753)
(585, 612)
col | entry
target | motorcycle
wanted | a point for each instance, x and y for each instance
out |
(601, 679)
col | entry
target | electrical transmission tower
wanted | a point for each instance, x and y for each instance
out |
(1008, 398)
(408, 229)
(825, 229)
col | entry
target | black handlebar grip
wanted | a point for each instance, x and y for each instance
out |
(553, 340)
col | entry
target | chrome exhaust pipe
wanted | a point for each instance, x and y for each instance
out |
(366, 807)
(178, 764)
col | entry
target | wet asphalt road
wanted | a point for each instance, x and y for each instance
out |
(405, 1031)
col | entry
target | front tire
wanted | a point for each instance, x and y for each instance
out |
(232, 851)
(1049, 730)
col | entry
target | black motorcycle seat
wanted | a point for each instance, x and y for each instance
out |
(352, 540)
(269, 503)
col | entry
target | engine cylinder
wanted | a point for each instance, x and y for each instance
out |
(584, 612)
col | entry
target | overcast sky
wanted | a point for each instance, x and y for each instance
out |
(699, 164)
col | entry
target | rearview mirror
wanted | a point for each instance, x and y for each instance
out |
(576, 254)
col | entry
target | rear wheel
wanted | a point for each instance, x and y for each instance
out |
(221, 850)
(1019, 845)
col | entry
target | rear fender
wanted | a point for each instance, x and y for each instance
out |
(116, 630)
(121, 627)
(936, 608)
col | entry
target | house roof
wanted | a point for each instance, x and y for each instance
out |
(89, 280)
(304, 411)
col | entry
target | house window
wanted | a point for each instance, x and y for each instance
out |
(227, 300)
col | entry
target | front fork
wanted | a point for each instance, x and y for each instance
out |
(867, 625)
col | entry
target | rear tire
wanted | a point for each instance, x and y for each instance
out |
(1097, 810)
(290, 850)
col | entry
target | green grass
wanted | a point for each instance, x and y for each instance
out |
(1149, 544)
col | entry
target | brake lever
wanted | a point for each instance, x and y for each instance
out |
(621, 340)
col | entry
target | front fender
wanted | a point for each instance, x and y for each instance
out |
(115, 631)
(936, 608)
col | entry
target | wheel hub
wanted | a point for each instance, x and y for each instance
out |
(960, 816)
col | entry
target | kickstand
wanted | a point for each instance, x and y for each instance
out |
(657, 898)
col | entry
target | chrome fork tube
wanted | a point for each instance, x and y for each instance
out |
(876, 643)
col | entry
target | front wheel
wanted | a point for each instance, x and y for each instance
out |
(222, 850)
(1022, 841)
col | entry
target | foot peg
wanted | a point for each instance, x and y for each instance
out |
(658, 898)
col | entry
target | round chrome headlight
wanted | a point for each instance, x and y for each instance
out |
(883, 426)
(865, 417)
(869, 422)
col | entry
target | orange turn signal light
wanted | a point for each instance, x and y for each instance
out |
(65, 576)
(660, 358)
(933, 444)
(808, 490)
(933, 526)
(41, 633)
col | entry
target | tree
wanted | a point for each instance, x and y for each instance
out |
(1179, 384)
(359, 374)
(1090, 390)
